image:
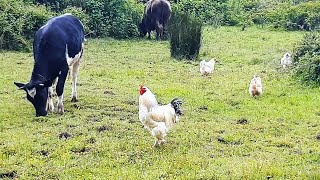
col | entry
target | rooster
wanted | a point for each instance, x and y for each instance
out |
(207, 67)
(255, 87)
(156, 118)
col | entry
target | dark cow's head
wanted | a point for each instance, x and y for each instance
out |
(143, 28)
(37, 94)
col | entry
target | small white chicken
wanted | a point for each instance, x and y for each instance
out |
(207, 68)
(255, 87)
(157, 119)
(286, 60)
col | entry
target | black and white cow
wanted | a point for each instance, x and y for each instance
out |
(57, 46)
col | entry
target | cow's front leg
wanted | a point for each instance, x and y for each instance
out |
(75, 71)
(149, 34)
(50, 101)
(60, 87)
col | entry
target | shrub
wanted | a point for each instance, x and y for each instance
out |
(115, 18)
(18, 23)
(208, 12)
(79, 13)
(306, 59)
(123, 18)
(185, 36)
(304, 16)
(54, 5)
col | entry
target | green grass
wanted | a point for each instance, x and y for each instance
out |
(108, 141)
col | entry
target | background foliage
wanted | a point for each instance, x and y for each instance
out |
(19, 19)
(18, 22)
(307, 59)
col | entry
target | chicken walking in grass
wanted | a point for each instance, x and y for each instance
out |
(286, 60)
(207, 68)
(158, 119)
(255, 87)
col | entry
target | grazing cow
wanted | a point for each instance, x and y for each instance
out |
(156, 16)
(56, 46)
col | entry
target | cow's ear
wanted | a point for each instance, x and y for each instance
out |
(47, 83)
(20, 85)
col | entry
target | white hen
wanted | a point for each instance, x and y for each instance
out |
(255, 87)
(207, 67)
(286, 60)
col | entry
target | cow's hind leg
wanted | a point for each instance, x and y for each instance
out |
(60, 87)
(75, 71)
(159, 30)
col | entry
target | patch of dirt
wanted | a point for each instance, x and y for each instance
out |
(71, 125)
(226, 141)
(77, 106)
(40, 119)
(80, 150)
(205, 108)
(282, 95)
(43, 153)
(131, 121)
(104, 128)
(91, 140)
(94, 119)
(269, 177)
(318, 137)
(131, 102)
(64, 135)
(242, 121)
(132, 157)
(109, 92)
(10, 175)
(234, 103)
(221, 131)
(109, 114)
(222, 140)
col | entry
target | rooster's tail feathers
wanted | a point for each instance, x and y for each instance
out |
(176, 103)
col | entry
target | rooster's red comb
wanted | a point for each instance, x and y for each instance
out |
(142, 84)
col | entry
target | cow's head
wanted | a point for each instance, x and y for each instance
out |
(37, 94)
(143, 28)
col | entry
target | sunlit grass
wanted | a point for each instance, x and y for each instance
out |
(108, 142)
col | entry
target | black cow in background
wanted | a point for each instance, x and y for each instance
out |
(57, 46)
(156, 16)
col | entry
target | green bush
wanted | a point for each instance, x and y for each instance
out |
(115, 18)
(304, 16)
(79, 13)
(54, 5)
(123, 18)
(185, 36)
(306, 59)
(208, 12)
(19, 22)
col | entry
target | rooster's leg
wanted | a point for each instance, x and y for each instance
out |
(155, 143)
(163, 141)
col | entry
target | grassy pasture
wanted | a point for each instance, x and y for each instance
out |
(107, 140)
